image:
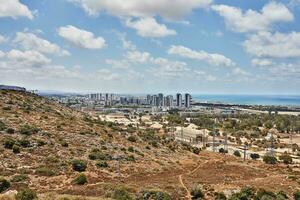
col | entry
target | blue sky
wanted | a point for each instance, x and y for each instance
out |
(150, 46)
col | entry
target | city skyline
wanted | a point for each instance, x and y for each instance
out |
(194, 46)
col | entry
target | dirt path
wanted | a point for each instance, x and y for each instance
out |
(188, 196)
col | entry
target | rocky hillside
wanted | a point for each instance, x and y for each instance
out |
(43, 144)
(59, 153)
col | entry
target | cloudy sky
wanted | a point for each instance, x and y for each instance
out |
(149, 46)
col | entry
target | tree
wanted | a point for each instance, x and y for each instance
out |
(254, 156)
(80, 179)
(237, 153)
(79, 165)
(270, 159)
(4, 184)
(286, 158)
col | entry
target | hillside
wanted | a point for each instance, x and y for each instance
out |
(45, 146)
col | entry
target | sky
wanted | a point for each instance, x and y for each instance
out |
(151, 46)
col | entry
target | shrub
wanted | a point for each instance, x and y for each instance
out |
(270, 159)
(131, 149)
(44, 171)
(263, 194)
(297, 195)
(64, 144)
(97, 154)
(154, 195)
(4, 184)
(41, 143)
(80, 179)
(254, 156)
(220, 196)
(237, 153)
(19, 178)
(121, 194)
(28, 130)
(132, 138)
(10, 131)
(16, 149)
(222, 150)
(24, 143)
(197, 193)
(79, 165)
(2, 126)
(196, 150)
(102, 164)
(281, 195)
(26, 194)
(9, 143)
(130, 158)
(286, 158)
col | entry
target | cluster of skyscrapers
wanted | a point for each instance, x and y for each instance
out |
(159, 100)
(168, 101)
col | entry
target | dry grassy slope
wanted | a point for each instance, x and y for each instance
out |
(158, 168)
(59, 124)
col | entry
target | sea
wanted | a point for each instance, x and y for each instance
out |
(283, 100)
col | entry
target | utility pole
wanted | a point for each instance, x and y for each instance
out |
(225, 143)
(245, 149)
(214, 140)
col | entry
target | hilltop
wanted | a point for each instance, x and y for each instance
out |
(46, 147)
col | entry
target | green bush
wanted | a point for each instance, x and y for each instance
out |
(154, 195)
(237, 153)
(10, 131)
(270, 159)
(197, 193)
(41, 143)
(132, 138)
(4, 184)
(263, 194)
(246, 193)
(286, 158)
(220, 196)
(102, 164)
(79, 165)
(281, 195)
(121, 194)
(64, 144)
(254, 156)
(28, 130)
(44, 171)
(196, 150)
(26, 194)
(297, 195)
(130, 158)
(19, 178)
(80, 179)
(24, 143)
(2, 126)
(9, 143)
(222, 150)
(16, 149)
(97, 154)
(130, 149)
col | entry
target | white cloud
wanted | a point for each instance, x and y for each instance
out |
(81, 38)
(30, 41)
(212, 59)
(240, 72)
(107, 75)
(29, 58)
(279, 45)
(118, 64)
(138, 57)
(261, 62)
(148, 27)
(126, 44)
(204, 75)
(14, 9)
(252, 20)
(2, 39)
(2, 54)
(167, 9)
